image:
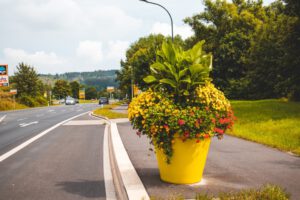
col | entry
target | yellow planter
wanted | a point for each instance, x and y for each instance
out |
(187, 163)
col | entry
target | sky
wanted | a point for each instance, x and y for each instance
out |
(57, 36)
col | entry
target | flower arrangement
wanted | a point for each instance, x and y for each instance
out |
(182, 101)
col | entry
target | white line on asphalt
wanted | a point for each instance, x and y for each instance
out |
(108, 179)
(21, 119)
(28, 124)
(2, 118)
(26, 143)
(50, 110)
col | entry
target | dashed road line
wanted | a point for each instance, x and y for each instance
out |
(21, 119)
(2, 118)
(26, 143)
(28, 124)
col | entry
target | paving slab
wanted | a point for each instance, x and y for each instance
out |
(232, 164)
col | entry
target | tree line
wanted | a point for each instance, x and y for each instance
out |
(31, 91)
(256, 48)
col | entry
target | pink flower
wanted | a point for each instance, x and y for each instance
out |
(181, 122)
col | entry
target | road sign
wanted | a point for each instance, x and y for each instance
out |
(82, 93)
(110, 89)
(13, 91)
(4, 75)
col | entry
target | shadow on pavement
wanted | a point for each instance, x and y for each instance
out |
(84, 188)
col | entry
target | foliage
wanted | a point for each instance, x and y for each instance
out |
(26, 81)
(179, 72)
(99, 79)
(91, 93)
(158, 116)
(256, 48)
(271, 122)
(7, 102)
(61, 89)
(139, 57)
(75, 89)
(27, 100)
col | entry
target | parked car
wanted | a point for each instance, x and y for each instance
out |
(103, 100)
(70, 101)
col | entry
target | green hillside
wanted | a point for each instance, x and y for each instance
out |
(99, 79)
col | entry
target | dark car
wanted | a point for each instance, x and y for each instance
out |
(103, 100)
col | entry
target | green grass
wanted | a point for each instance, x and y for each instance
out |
(107, 111)
(275, 123)
(267, 192)
(88, 101)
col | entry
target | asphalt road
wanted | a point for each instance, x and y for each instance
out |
(18, 126)
(232, 164)
(66, 163)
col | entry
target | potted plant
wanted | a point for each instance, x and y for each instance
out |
(181, 111)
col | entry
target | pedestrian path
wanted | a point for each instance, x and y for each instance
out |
(232, 164)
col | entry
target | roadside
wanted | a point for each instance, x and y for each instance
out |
(233, 164)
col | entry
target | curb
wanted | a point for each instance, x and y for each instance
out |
(128, 184)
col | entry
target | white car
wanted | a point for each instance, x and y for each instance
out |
(70, 101)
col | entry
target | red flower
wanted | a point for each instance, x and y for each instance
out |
(181, 122)
(213, 120)
(206, 136)
(186, 134)
(218, 130)
(197, 141)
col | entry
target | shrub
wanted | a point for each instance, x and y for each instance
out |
(27, 100)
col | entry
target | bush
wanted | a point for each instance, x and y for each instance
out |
(28, 101)
(41, 101)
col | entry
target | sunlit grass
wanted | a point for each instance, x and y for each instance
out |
(7, 104)
(271, 122)
(88, 101)
(107, 111)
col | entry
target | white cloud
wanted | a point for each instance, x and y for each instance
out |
(184, 31)
(90, 51)
(43, 62)
(117, 50)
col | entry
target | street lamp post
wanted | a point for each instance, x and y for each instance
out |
(166, 11)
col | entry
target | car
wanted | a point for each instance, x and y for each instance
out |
(103, 100)
(70, 101)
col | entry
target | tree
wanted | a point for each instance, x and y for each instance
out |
(75, 89)
(91, 93)
(61, 89)
(26, 80)
(139, 57)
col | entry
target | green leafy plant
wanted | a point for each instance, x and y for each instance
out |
(180, 72)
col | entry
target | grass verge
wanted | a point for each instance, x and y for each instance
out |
(271, 122)
(7, 104)
(88, 101)
(267, 192)
(107, 111)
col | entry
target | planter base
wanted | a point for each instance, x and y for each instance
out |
(187, 163)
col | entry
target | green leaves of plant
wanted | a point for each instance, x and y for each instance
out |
(179, 72)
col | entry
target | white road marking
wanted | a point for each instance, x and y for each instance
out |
(26, 143)
(28, 124)
(51, 110)
(21, 119)
(84, 122)
(108, 179)
(2, 118)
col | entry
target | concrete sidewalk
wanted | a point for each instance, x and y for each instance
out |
(232, 164)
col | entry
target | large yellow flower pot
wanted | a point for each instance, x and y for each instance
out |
(187, 163)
